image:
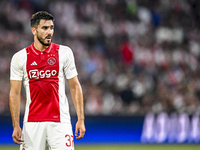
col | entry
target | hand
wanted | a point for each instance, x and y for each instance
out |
(17, 135)
(80, 129)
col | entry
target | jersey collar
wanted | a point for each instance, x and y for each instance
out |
(37, 52)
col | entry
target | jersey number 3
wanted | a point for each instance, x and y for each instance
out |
(70, 140)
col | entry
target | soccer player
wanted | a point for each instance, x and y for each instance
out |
(43, 67)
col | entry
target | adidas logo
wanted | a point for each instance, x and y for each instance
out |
(33, 63)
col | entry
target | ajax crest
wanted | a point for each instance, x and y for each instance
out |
(51, 61)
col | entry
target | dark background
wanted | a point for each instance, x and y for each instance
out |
(133, 57)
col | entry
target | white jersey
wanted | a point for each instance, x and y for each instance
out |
(43, 75)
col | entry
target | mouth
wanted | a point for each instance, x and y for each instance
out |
(48, 37)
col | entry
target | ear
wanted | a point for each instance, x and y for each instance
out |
(33, 29)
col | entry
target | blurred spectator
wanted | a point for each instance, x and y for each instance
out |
(133, 56)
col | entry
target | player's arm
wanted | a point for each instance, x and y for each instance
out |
(77, 97)
(15, 100)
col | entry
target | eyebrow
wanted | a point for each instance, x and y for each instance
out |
(48, 26)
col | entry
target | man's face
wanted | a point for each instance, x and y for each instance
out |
(44, 32)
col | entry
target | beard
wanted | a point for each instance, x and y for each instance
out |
(42, 40)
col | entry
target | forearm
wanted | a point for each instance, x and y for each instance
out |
(15, 108)
(77, 97)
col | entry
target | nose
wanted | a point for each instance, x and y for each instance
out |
(49, 31)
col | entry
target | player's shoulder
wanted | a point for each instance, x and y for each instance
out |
(65, 51)
(19, 57)
(20, 54)
(65, 48)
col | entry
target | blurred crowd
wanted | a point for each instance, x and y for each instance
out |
(132, 56)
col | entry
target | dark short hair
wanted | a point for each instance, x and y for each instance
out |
(35, 19)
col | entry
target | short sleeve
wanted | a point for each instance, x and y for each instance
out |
(16, 69)
(69, 66)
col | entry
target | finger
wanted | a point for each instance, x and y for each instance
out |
(76, 132)
(20, 140)
(17, 137)
(78, 137)
(81, 135)
(17, 140)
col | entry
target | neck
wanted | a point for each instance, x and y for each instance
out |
(39, 46)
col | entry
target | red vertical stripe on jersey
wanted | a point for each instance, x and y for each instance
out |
(43, 69)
